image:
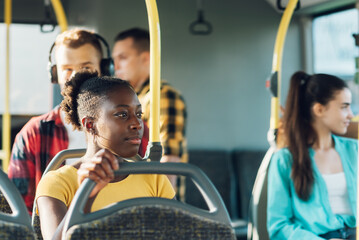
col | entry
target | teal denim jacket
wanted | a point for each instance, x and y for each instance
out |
(289, 217)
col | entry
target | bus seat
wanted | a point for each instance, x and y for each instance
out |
(4, 205)
(17, 224)
(217, 165)
(152, 218)
(35, 222)
(61, 156)
(245, 164)
(257, 227)
(55, 163)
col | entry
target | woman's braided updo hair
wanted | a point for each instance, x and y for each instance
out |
(84, 93)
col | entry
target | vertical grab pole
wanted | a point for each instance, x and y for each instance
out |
(60, 14)
(275, 80)
(6, 136)
(62, 21)
(256, 227)
(154, 148)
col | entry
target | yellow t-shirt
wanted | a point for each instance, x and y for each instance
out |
(62, 185)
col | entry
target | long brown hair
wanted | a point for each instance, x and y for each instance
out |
(304, 91)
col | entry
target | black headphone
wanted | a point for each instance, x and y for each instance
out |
(106, 65)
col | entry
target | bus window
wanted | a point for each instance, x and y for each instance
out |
(334, 49)
(333, 44)
(30, 87)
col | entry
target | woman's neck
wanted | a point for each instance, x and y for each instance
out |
(90, 151)
(324, 139)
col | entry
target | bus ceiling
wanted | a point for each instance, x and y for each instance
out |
(39, 12)
(314, 7)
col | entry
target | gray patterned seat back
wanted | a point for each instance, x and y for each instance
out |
(36, 225)
(151, 218)
(9, 230)
(151, 222)
(4, 205)
(14, 219)
(56, 163)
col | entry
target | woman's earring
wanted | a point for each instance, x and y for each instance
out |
(89, 126)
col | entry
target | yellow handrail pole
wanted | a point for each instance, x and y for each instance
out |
(6, 136)
(154, 148)
(277, 62)
(155, 69)
(60, 14)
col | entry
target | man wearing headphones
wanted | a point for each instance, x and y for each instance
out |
(46, 135)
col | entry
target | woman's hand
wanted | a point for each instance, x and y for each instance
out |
(100, 168)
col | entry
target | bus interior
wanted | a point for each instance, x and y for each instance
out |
(218, 54)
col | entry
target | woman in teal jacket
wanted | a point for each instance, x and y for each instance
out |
(312, 182)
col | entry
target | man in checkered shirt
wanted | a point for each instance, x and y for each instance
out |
(131, 54)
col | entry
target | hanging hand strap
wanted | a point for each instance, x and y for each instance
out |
(200, 26)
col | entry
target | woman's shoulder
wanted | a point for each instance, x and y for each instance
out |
(65, 170)
(345, 142)
(344, 139)
(282, 154)
(66, 173)
(59, 184)
(282, 158)
(150, 178)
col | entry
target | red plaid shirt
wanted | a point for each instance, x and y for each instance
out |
(34, 147)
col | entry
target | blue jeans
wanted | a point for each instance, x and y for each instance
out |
(343, 233)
